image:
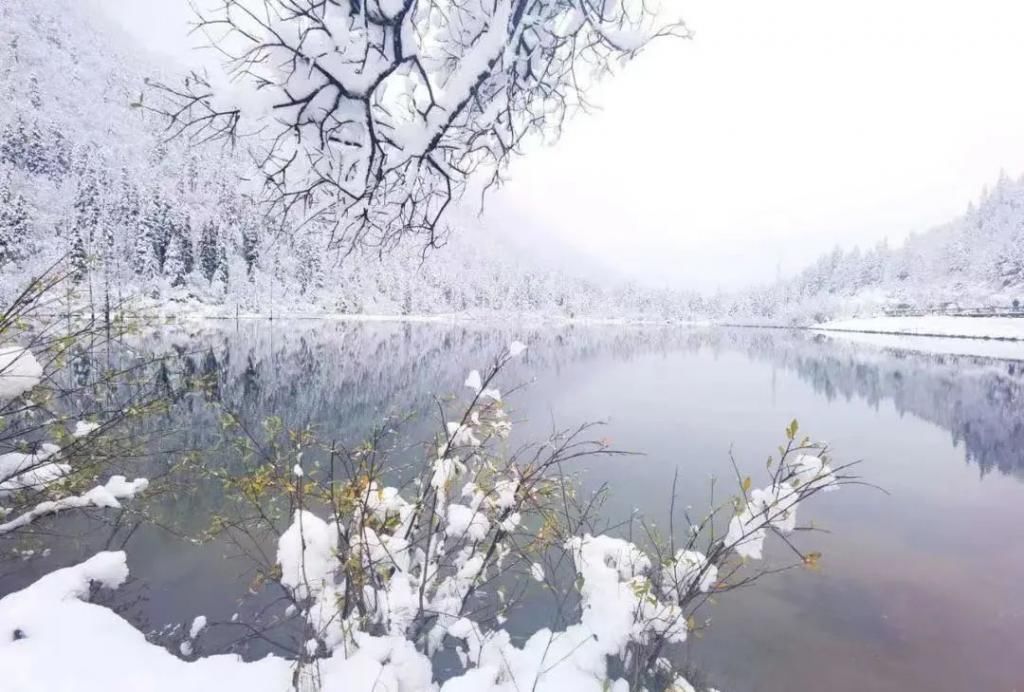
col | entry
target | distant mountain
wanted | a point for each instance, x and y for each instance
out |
(975, 261)
(85, 175)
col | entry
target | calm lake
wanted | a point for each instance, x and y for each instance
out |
(919, 588)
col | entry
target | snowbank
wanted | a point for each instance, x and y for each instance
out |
(991, 337)
(56, 641)
(998, 349)
(50, 622)
(19, 371)
(1009, 328)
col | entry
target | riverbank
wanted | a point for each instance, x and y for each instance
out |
(958, 327)
(992, 337)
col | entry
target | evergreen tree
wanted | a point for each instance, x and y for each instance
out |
(183, 233)
(37, 153)
(250, 248)
(9, 145)
(35, 97)
(14, 224)
(14, 146)
(174, 262)
(59, 158)
(87, 206)
(222, 266)
(126, 208)
(142, 252)
(147, 262)
(209, 251)
(155, 238)
(79, 256)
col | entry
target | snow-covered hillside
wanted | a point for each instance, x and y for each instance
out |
(973, 263)
(85, 173)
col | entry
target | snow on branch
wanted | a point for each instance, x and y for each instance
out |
(373, 115)
(19, 371)
(389, 577)
(107, 495)
(392, 576)
(24, 475)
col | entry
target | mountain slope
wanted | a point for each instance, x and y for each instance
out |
(85, 176)
(974, 262)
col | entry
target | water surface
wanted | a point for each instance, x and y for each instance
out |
(919, 589)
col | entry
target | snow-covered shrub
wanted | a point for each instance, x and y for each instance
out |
(385, 572)
(54, 434)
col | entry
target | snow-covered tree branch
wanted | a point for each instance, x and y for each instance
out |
(55, 435)
(374, 114)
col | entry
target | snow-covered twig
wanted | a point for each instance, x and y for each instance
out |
(107, 495)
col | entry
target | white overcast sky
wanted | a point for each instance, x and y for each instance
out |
(782, 129)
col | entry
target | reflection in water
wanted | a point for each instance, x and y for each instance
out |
(349, 374)
(344, 378)
(980, 401)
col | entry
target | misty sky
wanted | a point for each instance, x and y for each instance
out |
(782, 129)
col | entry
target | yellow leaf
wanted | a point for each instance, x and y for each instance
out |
(812, 560)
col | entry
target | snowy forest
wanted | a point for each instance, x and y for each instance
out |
(97, 181)
(973, 263)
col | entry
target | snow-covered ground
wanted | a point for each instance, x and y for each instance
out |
(58, 641)
(186, 311)
(992, 337)
(999, 349)
(934, 325)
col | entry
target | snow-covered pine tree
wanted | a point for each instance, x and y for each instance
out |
(87, 205)
(126, 206)
(174, 261)
(148, 263)
(183, 234)
(209, 250)
(79, 256)
(158, 232)
(222, 266)
(14, 223)
(250, 246)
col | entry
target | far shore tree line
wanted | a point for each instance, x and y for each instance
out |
(99, 167)
(189, 237)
